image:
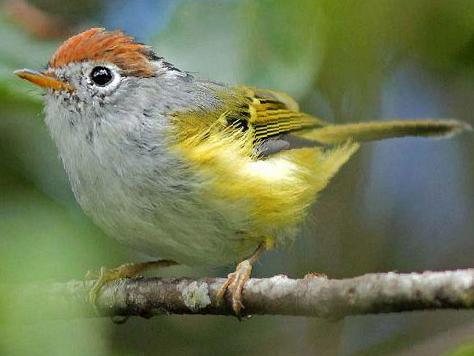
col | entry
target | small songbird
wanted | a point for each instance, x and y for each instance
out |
(193, 171)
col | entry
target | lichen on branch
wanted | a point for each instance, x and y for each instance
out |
(312, 296)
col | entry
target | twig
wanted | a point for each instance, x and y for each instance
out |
(312, 296)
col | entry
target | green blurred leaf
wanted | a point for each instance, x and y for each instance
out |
(272, 44)
(19, 51)
(464, 350)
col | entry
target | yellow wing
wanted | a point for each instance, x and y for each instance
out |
(267, 122)
(267, 114)
(259, 119)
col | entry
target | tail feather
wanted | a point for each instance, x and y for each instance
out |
(379, 130)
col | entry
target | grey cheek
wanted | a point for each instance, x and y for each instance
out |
(66, 108)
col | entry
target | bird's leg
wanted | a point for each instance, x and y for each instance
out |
(127, 270)
(236, 280)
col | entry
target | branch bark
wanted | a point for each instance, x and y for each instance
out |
(314, 295)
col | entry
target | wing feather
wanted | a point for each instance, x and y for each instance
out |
(269, 113)
(261, 120)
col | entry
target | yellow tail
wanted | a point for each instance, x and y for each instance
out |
(379, 130)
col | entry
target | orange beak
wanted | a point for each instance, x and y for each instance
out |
(44, 80)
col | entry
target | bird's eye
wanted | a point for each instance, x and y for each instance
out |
(101, 76)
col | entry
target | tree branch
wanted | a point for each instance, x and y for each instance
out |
(312, 296)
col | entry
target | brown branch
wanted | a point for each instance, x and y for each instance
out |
(312, 296)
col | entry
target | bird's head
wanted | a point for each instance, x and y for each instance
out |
(98, 68)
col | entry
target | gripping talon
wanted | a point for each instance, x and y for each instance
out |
(236, 281)
(128, 270)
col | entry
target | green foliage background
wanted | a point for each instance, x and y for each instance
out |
(337, 58)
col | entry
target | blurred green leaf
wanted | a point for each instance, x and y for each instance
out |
(269, 44)
(464, 350)
(19, 51)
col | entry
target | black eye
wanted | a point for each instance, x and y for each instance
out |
(101, 76)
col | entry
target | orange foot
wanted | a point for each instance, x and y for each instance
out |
(236, 281)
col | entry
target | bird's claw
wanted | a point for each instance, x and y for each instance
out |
(103, 277)
(235, 285)
(108, 275)
(128, 270)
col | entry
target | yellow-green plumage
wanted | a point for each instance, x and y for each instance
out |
(275, 191)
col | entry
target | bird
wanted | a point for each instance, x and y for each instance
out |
(197, 172)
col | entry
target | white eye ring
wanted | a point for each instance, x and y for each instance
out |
(103, 77)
